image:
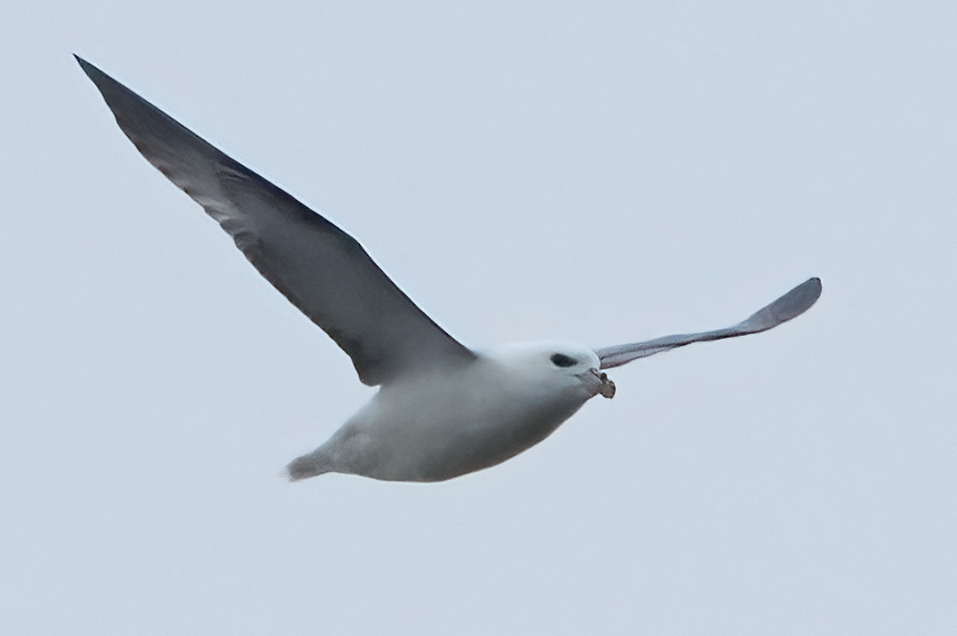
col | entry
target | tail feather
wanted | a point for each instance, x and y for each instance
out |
(307, 466)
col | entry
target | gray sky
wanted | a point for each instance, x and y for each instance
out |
(601, 173)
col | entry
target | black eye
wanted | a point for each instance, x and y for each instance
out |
(561, 360)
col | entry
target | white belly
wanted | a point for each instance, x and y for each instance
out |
(436, 428)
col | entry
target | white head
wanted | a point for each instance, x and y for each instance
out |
(565, 364)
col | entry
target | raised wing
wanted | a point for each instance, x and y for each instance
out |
(322, 270)
(790, 305)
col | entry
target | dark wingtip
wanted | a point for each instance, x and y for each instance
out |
(789, 306)
(797, 301)
(98, 77)
(101, 80)
(88, 68)
(807, 293)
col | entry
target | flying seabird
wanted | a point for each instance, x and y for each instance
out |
(442, 410)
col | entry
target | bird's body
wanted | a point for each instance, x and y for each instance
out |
(435, 426)
(442, 410)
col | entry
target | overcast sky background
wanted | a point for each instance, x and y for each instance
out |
(600, 172)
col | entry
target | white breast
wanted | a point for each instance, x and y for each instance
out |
(435, 427)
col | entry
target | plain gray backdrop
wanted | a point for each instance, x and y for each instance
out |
(600, 172)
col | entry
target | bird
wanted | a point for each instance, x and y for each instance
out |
(442, 410)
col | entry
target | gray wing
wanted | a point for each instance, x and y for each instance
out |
(322, 270)
(790, 305)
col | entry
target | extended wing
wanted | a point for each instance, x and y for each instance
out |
(790, 305)
(322, 270)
